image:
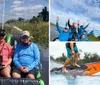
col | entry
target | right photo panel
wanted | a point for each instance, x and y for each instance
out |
(74, 42)
(75, 63)
(75, 20)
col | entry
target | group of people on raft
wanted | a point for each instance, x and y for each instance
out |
(74, 32)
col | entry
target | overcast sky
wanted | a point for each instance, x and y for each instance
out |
(57, 48)
(21, 8)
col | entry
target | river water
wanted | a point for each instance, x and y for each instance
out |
(45, 64)
(53, 32)
(59, 79)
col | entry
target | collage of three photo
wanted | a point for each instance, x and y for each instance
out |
(49, 42)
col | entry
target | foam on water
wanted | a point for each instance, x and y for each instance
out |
(58, 79)
(78, 80)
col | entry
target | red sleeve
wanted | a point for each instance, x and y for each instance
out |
(10, 50)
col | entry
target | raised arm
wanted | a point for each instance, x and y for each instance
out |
(69, 23)
(57, 25)
(78, 22)
(86, 26)
(66, 23)
(90, 33)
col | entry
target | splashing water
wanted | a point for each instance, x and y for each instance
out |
(56, 79)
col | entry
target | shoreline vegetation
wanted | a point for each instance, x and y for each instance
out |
(38, 31)
(88, 58)
(91, 37)
(52, 24)
(38, 26)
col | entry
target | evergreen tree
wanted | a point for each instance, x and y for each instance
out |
(44, 15)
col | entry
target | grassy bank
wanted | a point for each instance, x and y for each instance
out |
(39, 31)
(93, 38)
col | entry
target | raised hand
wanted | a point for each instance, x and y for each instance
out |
(93, 28)
(68, 18)
(57, 19)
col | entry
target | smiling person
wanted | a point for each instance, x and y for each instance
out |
(63, 33)
(5, 55)
(85, 36)
(26, 58)
(82, 29)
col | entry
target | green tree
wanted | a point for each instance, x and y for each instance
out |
(20, 19)
(44, 15)
(11, 20)
(34, 19)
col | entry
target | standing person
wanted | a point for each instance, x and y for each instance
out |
(63, 34)
(5, 55)
(26, 58)
(72, 53)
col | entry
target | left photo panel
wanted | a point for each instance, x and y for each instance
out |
(24, 42)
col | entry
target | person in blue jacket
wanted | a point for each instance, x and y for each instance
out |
(26, 58)
(82, 28)
(63, 33)
(85, 36)
(74, 31)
